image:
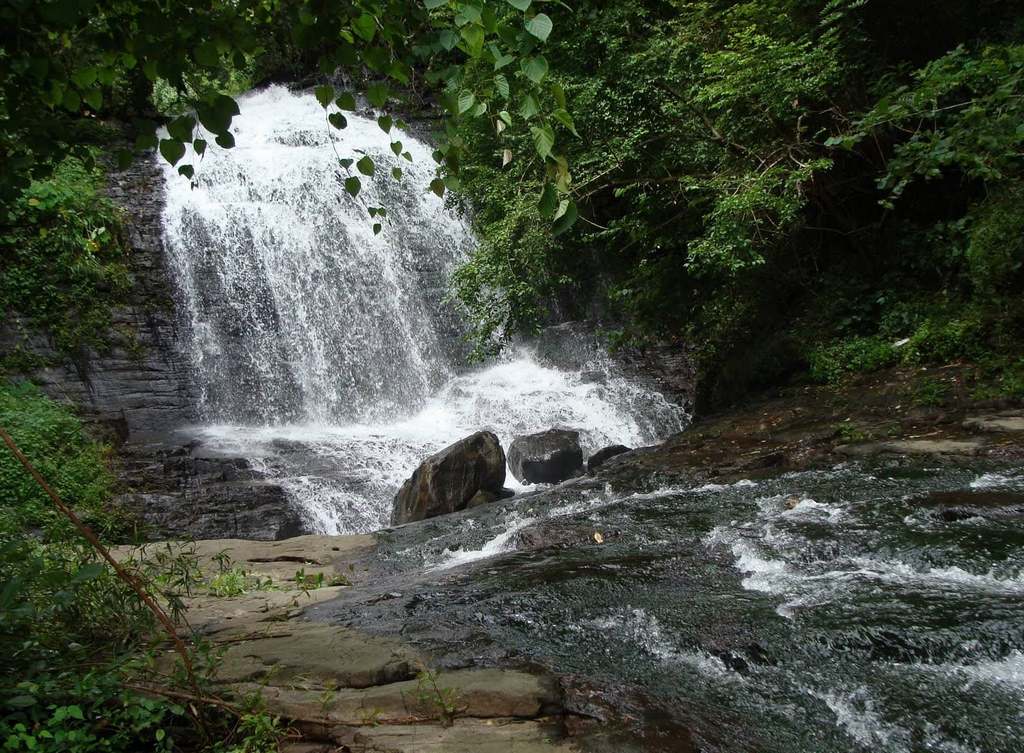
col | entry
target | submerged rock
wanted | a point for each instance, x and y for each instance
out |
(548, 457)
(453, 479)
(601, 456)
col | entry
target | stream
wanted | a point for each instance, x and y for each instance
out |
(854, 609)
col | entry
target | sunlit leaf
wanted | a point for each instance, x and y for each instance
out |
(540, 26)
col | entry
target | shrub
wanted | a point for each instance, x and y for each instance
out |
(76, 466)
(62, 260)
(833, 361)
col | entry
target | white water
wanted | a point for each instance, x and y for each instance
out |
(325, 353)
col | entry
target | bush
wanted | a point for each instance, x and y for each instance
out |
(831, 362)
(54, 441)
(62, 259)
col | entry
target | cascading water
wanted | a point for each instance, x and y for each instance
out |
(325, 353)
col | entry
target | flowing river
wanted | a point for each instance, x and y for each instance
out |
(862, 608)
(858, 609)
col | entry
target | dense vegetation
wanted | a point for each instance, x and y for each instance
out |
(791, 185)
(63, 262)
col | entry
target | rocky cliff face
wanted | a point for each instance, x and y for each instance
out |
(137, 394)
(140, 382)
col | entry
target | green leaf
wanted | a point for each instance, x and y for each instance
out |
(20, 701)
(437, 186)
(500, 61)
(346, 162)
(466, 101)
(501, 85)
(94, 99)
(396, 173)
(535, 68)
(432, 4)
(365, 165)
(474, 37)
(529, 107)
(396, 147)
(225, 140)
(504, 115)
(84, 77)
(563, 117)
(337, 120)
(172, 150)
(346, 101)
(566, 217)
(71, 101)
(199, 145)
(467, 14)
(365, 26)
(324, 94)
(559, 94)
(181, 128)
(384, 122)
(352, 185)
(407, 156)
(188, 171)
(377, 94)
(520, 4)
(376, 228)
(88, 572)
(540, 26)
(448, 39)
(207, 55)
(543, 139)
(548, 201)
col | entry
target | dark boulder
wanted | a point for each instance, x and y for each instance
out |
(598, 458)
(450, 479)
(546, 458)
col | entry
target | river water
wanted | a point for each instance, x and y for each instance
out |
(852, 609)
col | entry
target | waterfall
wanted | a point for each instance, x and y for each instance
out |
(325, 353)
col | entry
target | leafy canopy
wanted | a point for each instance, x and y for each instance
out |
(69, 59)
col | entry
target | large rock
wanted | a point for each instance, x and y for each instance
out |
(546, 458)
(601, 456)
(447, 481)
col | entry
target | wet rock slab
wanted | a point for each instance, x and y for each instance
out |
(343, 686)
(1007, 421)
(1004, 506)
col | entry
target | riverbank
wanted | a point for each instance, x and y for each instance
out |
(392, 641)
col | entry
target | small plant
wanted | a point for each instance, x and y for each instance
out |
(236, 581)
(930, 393)
(370, 717)
(850, 432)
(310, 582)
(339, 580)
(441, 701)
(260, 733)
